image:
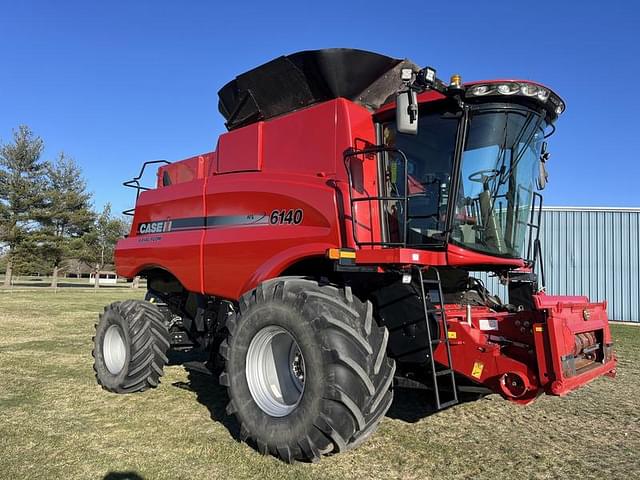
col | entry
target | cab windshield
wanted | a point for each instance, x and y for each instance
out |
(494, 187)
(497, 179)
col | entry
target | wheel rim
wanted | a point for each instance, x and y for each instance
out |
(114, 350)
(275, 371)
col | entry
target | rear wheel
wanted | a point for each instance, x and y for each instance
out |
(130, 347)
(306, 369)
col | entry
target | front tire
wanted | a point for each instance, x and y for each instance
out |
(130, 347)
(306, 369)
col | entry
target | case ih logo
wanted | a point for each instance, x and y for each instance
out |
(154, 227)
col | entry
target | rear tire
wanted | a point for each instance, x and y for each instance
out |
(323, 384)
(130, 347)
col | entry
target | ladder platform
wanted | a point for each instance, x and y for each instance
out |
(449, 403)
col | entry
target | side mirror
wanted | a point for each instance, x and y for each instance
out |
(407, 112)
(543, 175)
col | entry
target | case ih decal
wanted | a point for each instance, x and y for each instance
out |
(154, 227)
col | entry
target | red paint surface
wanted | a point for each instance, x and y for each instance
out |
(534, 355)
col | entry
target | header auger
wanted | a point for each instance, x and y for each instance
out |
(326, 248)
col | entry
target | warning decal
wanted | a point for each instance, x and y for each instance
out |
(477, 369)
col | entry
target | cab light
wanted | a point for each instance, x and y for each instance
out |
(508, 88)
(529, 90)
(480, 90)
(543, 94)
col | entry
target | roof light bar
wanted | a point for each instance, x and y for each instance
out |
(530, 90)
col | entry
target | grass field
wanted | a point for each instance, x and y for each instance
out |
(55, 422)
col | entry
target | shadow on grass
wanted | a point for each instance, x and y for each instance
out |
(123, 476)
(213, 396)
(411, 405)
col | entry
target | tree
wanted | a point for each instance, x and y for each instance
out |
(22, 181)
(67, 214)
(96, 247)
(3, 260)
(29, 257)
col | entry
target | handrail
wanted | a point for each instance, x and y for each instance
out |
(534, 246)
(377, 149)
(135, 182)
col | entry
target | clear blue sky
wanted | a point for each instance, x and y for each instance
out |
(116, 82)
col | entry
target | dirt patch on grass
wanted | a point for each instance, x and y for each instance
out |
(55, 422)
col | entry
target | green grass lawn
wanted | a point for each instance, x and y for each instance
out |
(55, 422)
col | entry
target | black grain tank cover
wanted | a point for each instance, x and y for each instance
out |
(301, 79)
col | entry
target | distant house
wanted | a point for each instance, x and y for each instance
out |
(106, 278)
(77, 269)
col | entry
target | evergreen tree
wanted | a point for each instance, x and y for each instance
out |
(67, 214)
(22, 188)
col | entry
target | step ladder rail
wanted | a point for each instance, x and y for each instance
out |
(430, 338)
(442, 322)
(447, 343)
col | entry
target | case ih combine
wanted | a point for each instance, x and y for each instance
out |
(325, 248)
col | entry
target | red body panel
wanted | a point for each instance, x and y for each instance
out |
(179, 251)
(290, 163)
(237, 258)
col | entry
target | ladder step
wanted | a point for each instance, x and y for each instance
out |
(431, 282)
(449, 403)
(437, 341)
(444, 372)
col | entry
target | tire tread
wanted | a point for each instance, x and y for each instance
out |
(355, 345)
(149, 343)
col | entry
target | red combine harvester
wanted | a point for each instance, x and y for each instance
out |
(327, 247)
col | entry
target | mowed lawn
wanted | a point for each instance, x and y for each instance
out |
(55, 422)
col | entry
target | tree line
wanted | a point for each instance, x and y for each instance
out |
(46, 213)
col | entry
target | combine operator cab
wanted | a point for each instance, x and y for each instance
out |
(459, 173)
(324, 252)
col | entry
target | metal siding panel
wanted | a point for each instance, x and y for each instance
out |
(593, 252)
(633, 240)
(578, 249)
(620, 269)
(625, 265)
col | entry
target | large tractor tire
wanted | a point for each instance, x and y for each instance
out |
(130, 347)
(306, 369)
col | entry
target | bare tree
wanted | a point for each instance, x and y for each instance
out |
(96, 247)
